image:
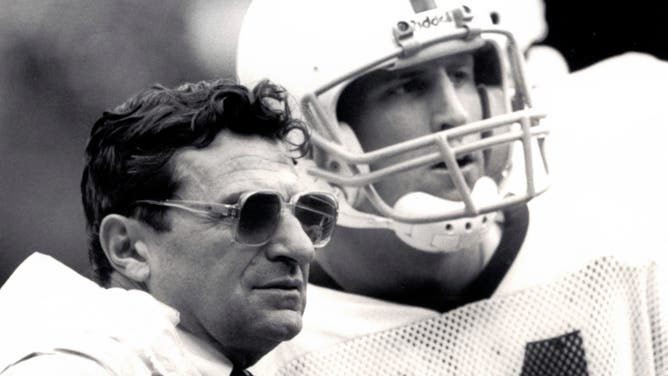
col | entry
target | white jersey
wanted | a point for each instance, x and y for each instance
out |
(605, 319)
(584, 295)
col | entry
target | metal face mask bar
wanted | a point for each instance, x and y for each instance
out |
(257, 214)
(529, 128)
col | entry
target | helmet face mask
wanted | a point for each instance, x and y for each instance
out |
(496, 134)
(508, 121)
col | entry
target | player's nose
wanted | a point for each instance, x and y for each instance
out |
(448, 110)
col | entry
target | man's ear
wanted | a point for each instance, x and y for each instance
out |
(123, 243)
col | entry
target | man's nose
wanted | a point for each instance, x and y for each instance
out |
(447, 106)
(290, 241)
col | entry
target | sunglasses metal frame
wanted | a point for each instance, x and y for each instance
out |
(220, 211)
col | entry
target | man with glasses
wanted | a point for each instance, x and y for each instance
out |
(200, 237)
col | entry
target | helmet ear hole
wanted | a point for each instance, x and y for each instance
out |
(333, 165)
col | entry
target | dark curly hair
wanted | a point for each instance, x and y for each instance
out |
(129, 148)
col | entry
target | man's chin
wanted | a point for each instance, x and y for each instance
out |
(284, 324)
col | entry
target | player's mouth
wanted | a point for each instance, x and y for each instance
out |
(462, 161)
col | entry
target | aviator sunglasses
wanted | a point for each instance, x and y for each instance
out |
(256, 214)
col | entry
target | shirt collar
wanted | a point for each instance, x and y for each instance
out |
(208, 360)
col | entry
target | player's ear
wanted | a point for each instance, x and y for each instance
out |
(123, 243)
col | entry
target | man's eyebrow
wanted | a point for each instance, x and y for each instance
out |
(229, 197)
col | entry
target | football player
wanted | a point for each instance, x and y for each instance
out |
(424, 123)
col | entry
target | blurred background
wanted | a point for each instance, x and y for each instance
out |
(63, 62)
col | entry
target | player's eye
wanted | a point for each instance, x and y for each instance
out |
(409, 86)
(461, 75)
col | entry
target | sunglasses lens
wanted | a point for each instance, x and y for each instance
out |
(317, 214)
(258, 218)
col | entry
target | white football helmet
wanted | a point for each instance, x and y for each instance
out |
(315, 48)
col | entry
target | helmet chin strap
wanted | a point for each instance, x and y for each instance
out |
(436, 237)
(445, 236)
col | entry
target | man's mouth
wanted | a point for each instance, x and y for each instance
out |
(283, 284)
(462, 162)
(283, 293)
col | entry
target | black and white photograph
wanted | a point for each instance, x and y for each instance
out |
(333, 187)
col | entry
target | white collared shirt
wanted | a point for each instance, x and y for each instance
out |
(58, 318)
